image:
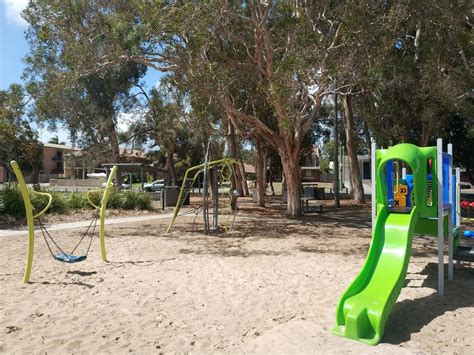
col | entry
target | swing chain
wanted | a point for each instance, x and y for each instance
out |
(47, 235)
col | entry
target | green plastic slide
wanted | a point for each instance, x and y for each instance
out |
(365, 306)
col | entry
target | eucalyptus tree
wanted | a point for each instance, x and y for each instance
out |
(18, 140)
(87, 104)
(168, 121)
(408, 64)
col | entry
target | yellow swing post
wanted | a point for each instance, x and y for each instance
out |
(30, 218)
(181, 196)
(103, 208)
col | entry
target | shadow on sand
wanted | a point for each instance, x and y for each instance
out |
(72, 283)
(139, 262)
(410, 316)
(82, 273)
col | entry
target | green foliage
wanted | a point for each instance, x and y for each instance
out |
(59, 203)
(136, 200)
(95, 198)
(255, 62)
(11, 202)
(143, 201)
(115, 200)
(77, 201)
(18, 141)
(327, 155)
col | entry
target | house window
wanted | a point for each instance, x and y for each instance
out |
(58, 156)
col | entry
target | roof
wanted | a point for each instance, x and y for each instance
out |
(59, 146)
(249, 168)
(134, 167)
(132, 153)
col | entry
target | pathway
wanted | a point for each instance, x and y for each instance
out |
(85, 224)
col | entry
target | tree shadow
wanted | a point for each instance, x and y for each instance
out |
(73, 283)
(410, 316)
(231, 251)
(139, 262)
(82, 273)
(359, 251)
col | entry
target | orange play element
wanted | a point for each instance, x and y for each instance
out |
(400, 196)
(400, 200)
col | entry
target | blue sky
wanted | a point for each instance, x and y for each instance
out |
(14, 47)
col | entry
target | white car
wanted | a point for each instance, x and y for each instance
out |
(155, 186)
(124, 185)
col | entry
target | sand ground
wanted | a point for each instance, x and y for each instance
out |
(271, 286)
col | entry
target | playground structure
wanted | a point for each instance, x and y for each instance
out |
(468, 209)
(215, 174)
(423, 202)
(62, 256)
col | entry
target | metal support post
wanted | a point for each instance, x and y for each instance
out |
(374, 184)
(439, 168)
(450, 215)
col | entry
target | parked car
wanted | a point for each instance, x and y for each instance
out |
(124, 185)
(155, 186)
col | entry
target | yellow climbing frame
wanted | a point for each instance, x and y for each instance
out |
(226, 164)
(30, 218)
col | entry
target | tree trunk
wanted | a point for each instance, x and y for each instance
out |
(35, 176)
(351, 144)
(265, 169)
(270, 176)
(171, 177)
(368, 139)
(292, 173)
(113, 141)
(232, 144)
(245, 186)
(260, 171)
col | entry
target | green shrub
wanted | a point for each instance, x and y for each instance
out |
(76, 201)
(136, 200)
(115, 199)
(143, 201)
(11, 202)
(95, 198)
(59, 204)
(129, 200)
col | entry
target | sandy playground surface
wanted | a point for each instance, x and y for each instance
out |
(271, 286)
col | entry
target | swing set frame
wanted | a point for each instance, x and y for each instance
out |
(30, 217)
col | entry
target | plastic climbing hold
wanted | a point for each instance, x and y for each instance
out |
(468, 234)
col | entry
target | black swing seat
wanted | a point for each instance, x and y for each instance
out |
(69, 258)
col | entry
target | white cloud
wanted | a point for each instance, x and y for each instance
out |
(13, 9)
